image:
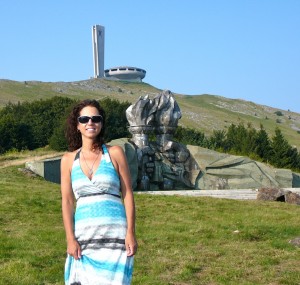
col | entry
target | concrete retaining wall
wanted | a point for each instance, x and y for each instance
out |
(48, 168)
(238, 194)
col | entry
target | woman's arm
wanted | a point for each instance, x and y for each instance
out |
(73, 248)
(120, 162)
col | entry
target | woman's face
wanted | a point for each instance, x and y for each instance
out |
(89, 128)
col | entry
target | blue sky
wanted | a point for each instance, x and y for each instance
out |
(246, 49)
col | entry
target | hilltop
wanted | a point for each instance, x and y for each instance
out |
(204, 112)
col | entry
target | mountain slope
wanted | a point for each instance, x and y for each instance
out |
(204, 112)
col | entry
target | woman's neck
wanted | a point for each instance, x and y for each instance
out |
(90, 146)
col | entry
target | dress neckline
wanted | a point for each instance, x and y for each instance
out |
(97, 168)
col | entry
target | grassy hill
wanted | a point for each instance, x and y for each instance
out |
(204, 112)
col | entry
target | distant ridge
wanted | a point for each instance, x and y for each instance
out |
(203, 112)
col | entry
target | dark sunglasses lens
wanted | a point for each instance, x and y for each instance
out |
(97, 119)
(83, 119)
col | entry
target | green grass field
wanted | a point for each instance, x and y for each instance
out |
(182, 240)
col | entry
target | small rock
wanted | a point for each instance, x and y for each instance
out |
(295, 241)
(292, 198)
(271, 194)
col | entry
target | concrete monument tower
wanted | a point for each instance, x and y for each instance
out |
(98, 33)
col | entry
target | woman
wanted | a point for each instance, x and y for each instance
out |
(100, 235)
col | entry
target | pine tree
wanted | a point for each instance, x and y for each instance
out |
(284, 155)
(249, 142)
(217, 140)
(230, 140)
(263, 145)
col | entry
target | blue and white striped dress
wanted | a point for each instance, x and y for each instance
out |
(100, 228)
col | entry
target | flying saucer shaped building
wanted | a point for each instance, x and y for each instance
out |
(127, 73)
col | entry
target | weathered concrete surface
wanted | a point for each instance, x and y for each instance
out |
(235, 194)
(220, 171)
(224, 171)
(48, 168)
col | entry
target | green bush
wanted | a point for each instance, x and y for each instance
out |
(58, 140)
(116, 121)
(278, 113)
(190, 136)
(15, 135)
(30, 125)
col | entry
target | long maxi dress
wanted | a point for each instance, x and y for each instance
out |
(100, 228)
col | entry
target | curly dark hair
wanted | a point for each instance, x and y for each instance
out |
(72, 135)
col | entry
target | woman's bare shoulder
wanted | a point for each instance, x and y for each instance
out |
(69, 156)
(116, 153)
(114, 149)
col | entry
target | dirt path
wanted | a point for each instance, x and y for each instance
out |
(24, 159)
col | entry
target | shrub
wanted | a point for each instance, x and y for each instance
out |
(30, 125)
(278, 113)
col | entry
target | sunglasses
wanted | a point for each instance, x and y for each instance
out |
(86, 119)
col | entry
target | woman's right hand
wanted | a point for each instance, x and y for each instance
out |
(74, 249)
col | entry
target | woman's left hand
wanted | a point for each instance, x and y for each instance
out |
(131, 244)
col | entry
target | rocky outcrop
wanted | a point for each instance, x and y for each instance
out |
(277, 194)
